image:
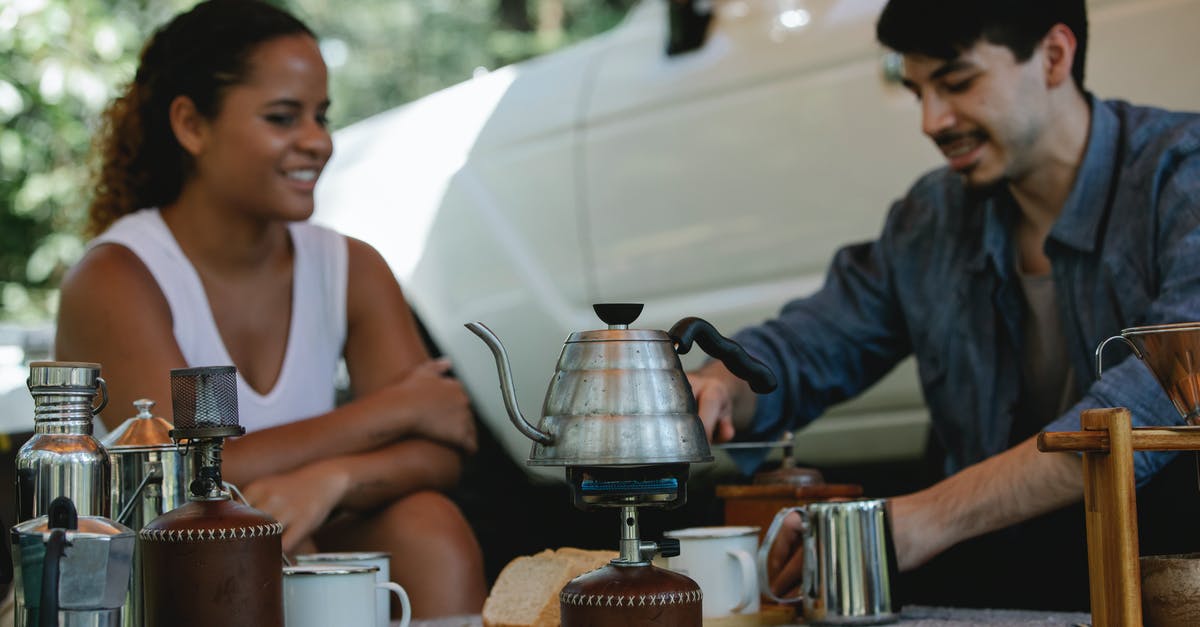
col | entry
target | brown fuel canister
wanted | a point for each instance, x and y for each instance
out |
(638, 595)
(213, 563)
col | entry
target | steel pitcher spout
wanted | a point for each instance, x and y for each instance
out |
(506, 384)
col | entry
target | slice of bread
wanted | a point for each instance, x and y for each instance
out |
(585, 559)
(526, 592)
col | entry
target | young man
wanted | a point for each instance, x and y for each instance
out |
(1058, 220)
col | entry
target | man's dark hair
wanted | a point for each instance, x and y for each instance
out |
(944, 29)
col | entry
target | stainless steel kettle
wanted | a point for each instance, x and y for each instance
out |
(71, 571)
(149, 475)
(620, 396)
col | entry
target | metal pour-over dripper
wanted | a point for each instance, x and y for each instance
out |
(1172, 353)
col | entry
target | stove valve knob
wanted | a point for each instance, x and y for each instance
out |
(668, 547)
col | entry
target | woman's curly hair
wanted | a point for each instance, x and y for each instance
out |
(198, 54)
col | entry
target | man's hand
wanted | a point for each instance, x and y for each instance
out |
(715, 406)
(785, 559)
(301, 500)
(724, 402)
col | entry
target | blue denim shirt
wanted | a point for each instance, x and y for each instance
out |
(940, 283)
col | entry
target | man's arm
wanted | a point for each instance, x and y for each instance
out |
(1014, 486)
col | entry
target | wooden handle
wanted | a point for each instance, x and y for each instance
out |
(1143, 439)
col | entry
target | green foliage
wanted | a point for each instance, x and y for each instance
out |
(62, 60)
(384, 53)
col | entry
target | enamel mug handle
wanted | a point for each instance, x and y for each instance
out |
(405, 608)
(749, 575)
(764, 579)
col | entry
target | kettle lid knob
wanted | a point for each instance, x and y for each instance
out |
(619, 315)
(143, 406)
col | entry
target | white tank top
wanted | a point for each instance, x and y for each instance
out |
(316, 337)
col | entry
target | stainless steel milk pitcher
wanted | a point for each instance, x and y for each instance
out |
(848, 569)
(62, 458)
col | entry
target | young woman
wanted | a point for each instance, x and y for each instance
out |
(208, 163)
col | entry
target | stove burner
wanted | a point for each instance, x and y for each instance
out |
(660, 485)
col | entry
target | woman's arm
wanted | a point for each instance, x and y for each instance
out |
(382, 343)
(304, 498)
(113, 312)
(390, 373)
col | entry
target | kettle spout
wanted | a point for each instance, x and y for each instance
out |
(506, 384)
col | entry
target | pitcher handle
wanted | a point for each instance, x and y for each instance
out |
(764, 579)
(1100, 350)
(405, 607)
(154, 473)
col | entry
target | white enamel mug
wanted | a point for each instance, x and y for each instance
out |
(320, 595)
(379, 559)
(721, 561)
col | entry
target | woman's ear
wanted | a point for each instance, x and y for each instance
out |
(188, 124)
(1058, 47)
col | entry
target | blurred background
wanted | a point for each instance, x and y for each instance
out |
(61, 61)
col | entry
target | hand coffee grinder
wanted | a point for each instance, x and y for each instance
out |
(621, 417)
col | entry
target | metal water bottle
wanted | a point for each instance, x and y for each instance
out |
(62, 458)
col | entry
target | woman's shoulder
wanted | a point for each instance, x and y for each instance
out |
(110, 291)
(373, 287)
(365, 258)
(109, 270)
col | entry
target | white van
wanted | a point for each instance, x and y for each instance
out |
(715, 183)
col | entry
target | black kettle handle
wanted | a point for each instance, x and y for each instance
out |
(61, 517)
(739, 362)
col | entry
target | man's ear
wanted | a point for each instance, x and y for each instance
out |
(1058, 51)
(188, 124)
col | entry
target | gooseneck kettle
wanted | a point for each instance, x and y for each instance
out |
(619, 396)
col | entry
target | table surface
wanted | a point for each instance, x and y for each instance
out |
(910, 616)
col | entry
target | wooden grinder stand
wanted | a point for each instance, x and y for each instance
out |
(1107, 443)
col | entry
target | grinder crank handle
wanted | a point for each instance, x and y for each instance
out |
(739, 362)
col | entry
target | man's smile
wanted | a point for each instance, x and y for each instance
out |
(961, 149)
